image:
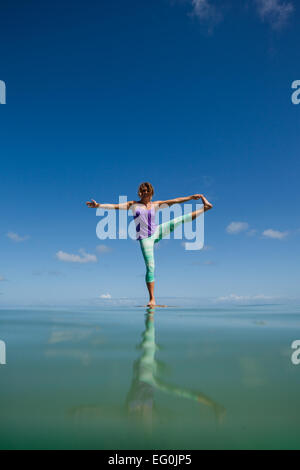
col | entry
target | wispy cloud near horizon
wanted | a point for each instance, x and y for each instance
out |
(105, 296)
(244, 298)
(16, 237)
(82, 258)
(237, 227)
(103, 249)
(275, 234)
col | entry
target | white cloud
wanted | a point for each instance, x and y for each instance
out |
(276, 12)
(206, 11)
(236, 227)
(275, 234)
(83, 257)
(105, 296)
(203, 8)
(15, 237)
(243, 298)
(103, 249)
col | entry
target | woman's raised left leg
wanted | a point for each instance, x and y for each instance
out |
(167, 227)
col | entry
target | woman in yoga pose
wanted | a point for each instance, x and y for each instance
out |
(148, 232)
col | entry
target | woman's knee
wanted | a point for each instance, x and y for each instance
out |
(150, 272)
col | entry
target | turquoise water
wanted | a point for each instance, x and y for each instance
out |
(121, 378)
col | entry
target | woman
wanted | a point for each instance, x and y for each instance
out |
(148, 232)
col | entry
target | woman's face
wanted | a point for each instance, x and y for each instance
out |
(145, 194)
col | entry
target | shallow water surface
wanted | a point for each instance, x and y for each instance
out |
(124, 378)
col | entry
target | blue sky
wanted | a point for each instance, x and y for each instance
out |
(193, 96)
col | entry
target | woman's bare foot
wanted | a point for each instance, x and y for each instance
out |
(207, 205)
(151, 303)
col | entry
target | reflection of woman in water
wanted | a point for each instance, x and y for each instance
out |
(140, 398)
(148, 233)
(140, 402)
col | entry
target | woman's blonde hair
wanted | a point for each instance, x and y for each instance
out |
(147, 186)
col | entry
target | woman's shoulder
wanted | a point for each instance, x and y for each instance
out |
(134, 205)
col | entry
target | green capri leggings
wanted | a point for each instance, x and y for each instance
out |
(147, 244)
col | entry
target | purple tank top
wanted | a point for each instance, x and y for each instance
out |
(144, 221)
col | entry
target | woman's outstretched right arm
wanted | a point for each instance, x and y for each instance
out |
(95, 205)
